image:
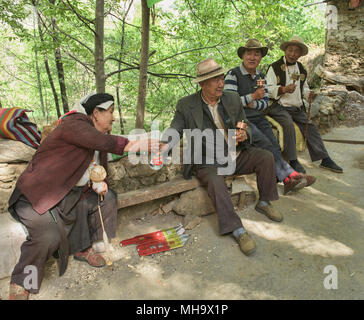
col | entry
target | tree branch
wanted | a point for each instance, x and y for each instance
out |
(183, 52)
(83, 19)
(79, 61)
(64, 33)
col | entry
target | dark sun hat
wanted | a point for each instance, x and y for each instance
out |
(252, 44)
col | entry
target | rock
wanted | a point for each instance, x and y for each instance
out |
(147, 181)
(195, 202)
(5, 170)
(12, 151)
(12, 235)
(116, 170)
(239, 185)
(167, 208)
(5, 194)
(162, 177)
(191, 221)
(140, 170)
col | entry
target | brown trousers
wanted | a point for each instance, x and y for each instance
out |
(252, 160)
(61, 231)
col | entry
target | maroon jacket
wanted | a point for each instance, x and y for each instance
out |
(63, 158)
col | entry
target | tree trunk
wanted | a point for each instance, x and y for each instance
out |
(46, 64)
(37, 70)
(122, 129)
(99, 47)
(144, 55)
(59, 65)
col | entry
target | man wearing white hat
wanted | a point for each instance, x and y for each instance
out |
(220, 111)
(287, 87)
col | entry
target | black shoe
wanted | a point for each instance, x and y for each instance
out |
(331, 165)
(297, 166)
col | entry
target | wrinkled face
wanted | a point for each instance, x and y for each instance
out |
(103, 119)
(293, 53)
(251, 59)
(213, 87)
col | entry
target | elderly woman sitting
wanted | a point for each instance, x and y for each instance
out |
(54, 197)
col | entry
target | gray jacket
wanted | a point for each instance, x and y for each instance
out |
(189, 115)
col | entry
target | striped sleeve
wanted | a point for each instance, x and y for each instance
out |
(231, 84)
(262, 104)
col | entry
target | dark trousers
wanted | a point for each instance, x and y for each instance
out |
(252, 160)
(45, 237)
(285, 117)
(264, 138)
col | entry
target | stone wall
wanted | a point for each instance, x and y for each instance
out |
(345, 39)
(341, 100)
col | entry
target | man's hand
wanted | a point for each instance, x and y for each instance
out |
(288, 89)
(258, 94)
(163, 147)
(240, 134)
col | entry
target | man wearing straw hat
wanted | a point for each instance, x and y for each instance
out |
(213, 110)
(252, 89)
(287, 86)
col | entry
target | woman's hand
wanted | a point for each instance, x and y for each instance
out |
(100, 188)
(146, 145)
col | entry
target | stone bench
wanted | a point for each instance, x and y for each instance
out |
(278, 132)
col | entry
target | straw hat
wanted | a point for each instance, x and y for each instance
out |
(208, 69)
(297, 41)
(252, 44)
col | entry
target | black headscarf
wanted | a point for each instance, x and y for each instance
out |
(95, 100)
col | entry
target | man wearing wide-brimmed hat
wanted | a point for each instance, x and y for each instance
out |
(251, 86)
(287, 86)
(213, 110)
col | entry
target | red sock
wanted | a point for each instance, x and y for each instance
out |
(292, 175)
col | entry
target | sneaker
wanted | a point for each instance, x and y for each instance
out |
(270, 212)
(17, 292)
(295, 184)
(331, 165)
(246, 243)
(297, 166)
(91, 257)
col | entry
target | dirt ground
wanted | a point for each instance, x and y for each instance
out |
(323, 225)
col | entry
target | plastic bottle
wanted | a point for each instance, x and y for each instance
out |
(156, 161)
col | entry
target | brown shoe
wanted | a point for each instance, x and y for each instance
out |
(91, 257)
(246, 243)
(17, 292)
(310, 180)
(270, 212)
(295, 184)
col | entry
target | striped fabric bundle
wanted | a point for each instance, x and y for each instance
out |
(15, 125)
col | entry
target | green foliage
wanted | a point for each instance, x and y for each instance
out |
(188, 32)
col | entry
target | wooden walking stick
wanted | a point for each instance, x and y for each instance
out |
(97, 176)
(307, 119)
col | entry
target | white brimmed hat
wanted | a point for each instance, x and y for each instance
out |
(208, 69)
(297, 41)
